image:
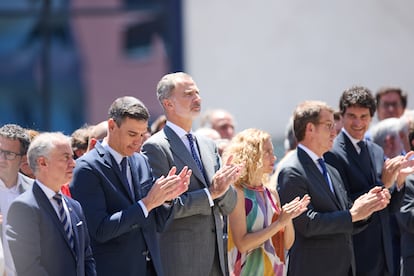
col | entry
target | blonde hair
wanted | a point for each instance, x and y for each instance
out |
(247, 148)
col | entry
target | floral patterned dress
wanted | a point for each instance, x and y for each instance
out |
(268, 258)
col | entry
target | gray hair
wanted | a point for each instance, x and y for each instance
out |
(42, 145)
(388, 127)
(167, 84)
(16, 132)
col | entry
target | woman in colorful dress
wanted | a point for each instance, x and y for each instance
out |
(260, 230)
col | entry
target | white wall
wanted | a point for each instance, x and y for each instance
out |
(259, 59)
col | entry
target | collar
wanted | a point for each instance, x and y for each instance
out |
(48, 192)
(178, 130)
(17, 187)
(353, 140)
(118, 157)
(311, 154)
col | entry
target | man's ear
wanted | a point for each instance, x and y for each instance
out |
(111, 124)
(167, 103)
(41, 161)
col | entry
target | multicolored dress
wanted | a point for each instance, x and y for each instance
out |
(268, 258)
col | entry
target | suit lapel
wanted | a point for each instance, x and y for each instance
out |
(340, 193)
(182, 153)
(318, 178)
(45, 204)
(110, 162)
(208, 162)
(349, 148)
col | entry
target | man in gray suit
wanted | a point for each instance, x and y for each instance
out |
(14, 141)
(193, 243)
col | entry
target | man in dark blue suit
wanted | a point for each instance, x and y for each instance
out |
(116, 188)
(362, 167)
(323, 243)
(47, 236)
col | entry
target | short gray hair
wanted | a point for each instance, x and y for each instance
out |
(389, 126)
(42, 145)
(167, 84)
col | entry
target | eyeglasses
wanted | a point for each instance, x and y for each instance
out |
(9, 155)
(328, 125)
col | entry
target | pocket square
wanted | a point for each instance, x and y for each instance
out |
(79, 223)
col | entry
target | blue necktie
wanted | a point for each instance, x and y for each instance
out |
(194, 153)
(325, 173)
(64, 219)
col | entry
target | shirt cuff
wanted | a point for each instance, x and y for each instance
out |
(210, 200)
(144, 209)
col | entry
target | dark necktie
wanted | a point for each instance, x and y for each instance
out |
(124, 172)
(194, 153)
(365, 161)
(325, 173)
(64, 219)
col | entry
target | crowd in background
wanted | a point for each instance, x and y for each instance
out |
(126, 198)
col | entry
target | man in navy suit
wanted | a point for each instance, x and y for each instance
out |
(323, 243)
(116, 188)
(39, 242)
(362, 167)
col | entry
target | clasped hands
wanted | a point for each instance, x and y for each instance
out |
(224, 177)
(167, 188)
(294, 209)
(374, 200)
(396, 169)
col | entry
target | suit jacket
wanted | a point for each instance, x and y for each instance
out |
(37, 239)
(405, 220)
(192, 241)
(370, 255)
(323, 243)
(121, 235)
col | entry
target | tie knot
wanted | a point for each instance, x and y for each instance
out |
(124, 163)
(322, 164)
(361, 144)
(190, 137)
(58, 198)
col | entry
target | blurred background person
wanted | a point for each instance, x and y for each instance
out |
(221, 121)
(80, 140)
(97, 133)
(158, 124)
(24, 166)
(391, 102)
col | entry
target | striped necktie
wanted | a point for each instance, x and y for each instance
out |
(64, 219)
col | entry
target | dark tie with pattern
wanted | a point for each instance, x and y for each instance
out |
(325, 173)
(64, 219)
(124, 172)
(194, 153)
